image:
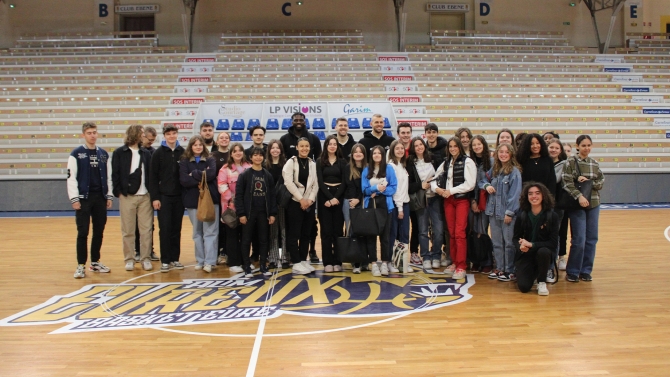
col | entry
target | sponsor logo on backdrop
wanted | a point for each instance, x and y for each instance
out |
(636, 89)
(646, 99)
(404, 99)
(187, 101)
(182, 112)
(351, 109)
(398, 78)
(604, 59)
(617, 69)
(415, 122)
(630, 78)
(200, 60)
(392, 58)
(307, 109)
(197, 68)
(662, 122)
(100, 307)
(180, 125)
(191, 89)
(656, 111)
(402, 88)
(410, 110)
(195, 79)
(231, 110)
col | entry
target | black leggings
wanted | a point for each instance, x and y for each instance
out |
(298, 229)
(532, 265)
(331, 220)
(383, 238)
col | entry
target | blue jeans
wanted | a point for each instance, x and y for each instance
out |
(584, 229)
(431, 216)
(205, 237)
(502, 237)
(399, 228)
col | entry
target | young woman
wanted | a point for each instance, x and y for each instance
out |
(479, 222)
(563, 232)
(299, 175)
(274, 162)
(221, 157)
(465, 135)
(558, 157)
(379, 184)
(400, 215)
(195, 162)
(227, 181)
(457, 177)
(421, 171)
(354, 192)
(518, 140)
(330, 169)
(535, 237)
(505, 136)
(536, 165)
(256, 208)
(503, 183)
(583, 222)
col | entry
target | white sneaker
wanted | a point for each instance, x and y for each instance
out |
(235, 269)
(198, 267)
(384, 269)
(392, 269)
(80, 272)
(98, 267)
(436, 263)
(356, 270)
(165, 267)
(130, 265)
(300, 269)
(562, 263)
(207, 268)
(308, 266)
(427, 267)
(222, 259)
(375, 270)
(177, 266)
(146, 264)
(542, 289)
(443, 260)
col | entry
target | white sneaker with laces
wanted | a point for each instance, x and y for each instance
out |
(300, 269)
(443, 260)
(165, 267)
(356, 270)
(542, 289)
(207, 268)
(393, 269)
(198, 267)
(146, 265)
(436, 263)
(130, 265)
(427, 267)
(80, 272)
(308, 266)
(384, 270)
(550, 276)
(99, 267)
(562, 263)
(375, 269)
(177, 265)
(236, 269)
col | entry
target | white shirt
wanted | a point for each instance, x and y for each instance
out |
(469, 173)
(401, 195)
(134, 164)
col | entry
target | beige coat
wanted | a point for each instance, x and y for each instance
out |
(290, 174)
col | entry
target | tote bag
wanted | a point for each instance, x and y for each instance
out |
(566, 201)
(368, 221)
(205, 212)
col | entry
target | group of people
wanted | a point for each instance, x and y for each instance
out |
(268, 198)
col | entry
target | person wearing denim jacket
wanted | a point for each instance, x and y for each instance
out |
(504, 188)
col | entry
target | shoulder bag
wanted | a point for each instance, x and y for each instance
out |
(205, 212)
(417, 200)
(368, 221)
(565, 201)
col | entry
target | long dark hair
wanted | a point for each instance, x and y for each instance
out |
(547, 198)
(382, 164)
(324, 152)
(485, 159)
(188, 153)
(392, 157)
(501, 131)
(427, 156)
(461, 151)
(231, 149)
(268, 156)
(354, 171)
(523, 154)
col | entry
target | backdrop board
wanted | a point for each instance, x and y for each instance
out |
(238, 117)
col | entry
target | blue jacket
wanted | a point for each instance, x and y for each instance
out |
(505, 201)
(190, 174)
(78, 171)
(390, 187)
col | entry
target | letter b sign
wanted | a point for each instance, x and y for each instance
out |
(102, 10)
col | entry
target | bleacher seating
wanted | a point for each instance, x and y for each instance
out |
(293, 41)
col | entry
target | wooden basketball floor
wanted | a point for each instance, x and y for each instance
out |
(617, 325)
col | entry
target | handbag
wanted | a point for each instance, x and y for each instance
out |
(566, 201)
(368, 221)
(417, 200)
(229, 217)
(205, 212)
(283, 195)
(351, 249)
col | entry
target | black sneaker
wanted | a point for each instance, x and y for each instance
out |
(313, 258)
(272, 266)
(504, 276)
(285, 266)
(572, 278)
(585, 277)
(154, 257)
(247, 272)
(264, 270)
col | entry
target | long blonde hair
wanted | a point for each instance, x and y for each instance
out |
(507, 167)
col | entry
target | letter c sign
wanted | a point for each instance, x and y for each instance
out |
(284, 9)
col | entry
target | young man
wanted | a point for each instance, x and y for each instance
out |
(207, 133)
(377, 136)
(296, 131)
(165, 191)
(404, 132)
(130, 177)
(148, 139)
(256, 208)
(90, 192)
(437, 145)
(257, 134)
(344, 139)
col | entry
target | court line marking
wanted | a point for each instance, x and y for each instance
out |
(667, 233)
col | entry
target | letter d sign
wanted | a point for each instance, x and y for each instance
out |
(103, 12)
(484, 9)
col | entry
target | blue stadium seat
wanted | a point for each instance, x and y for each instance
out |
(286, 124)
(307, 123)
(387, 124)
(210, 121)
(236, 136)
(366, 123)
(390, 133)
(222, 125)
(272, 124)
(320, 134)
(253, 123)
(334, 123)
(353, 123)
(238, 124)
(248, 138)
(319, 124)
